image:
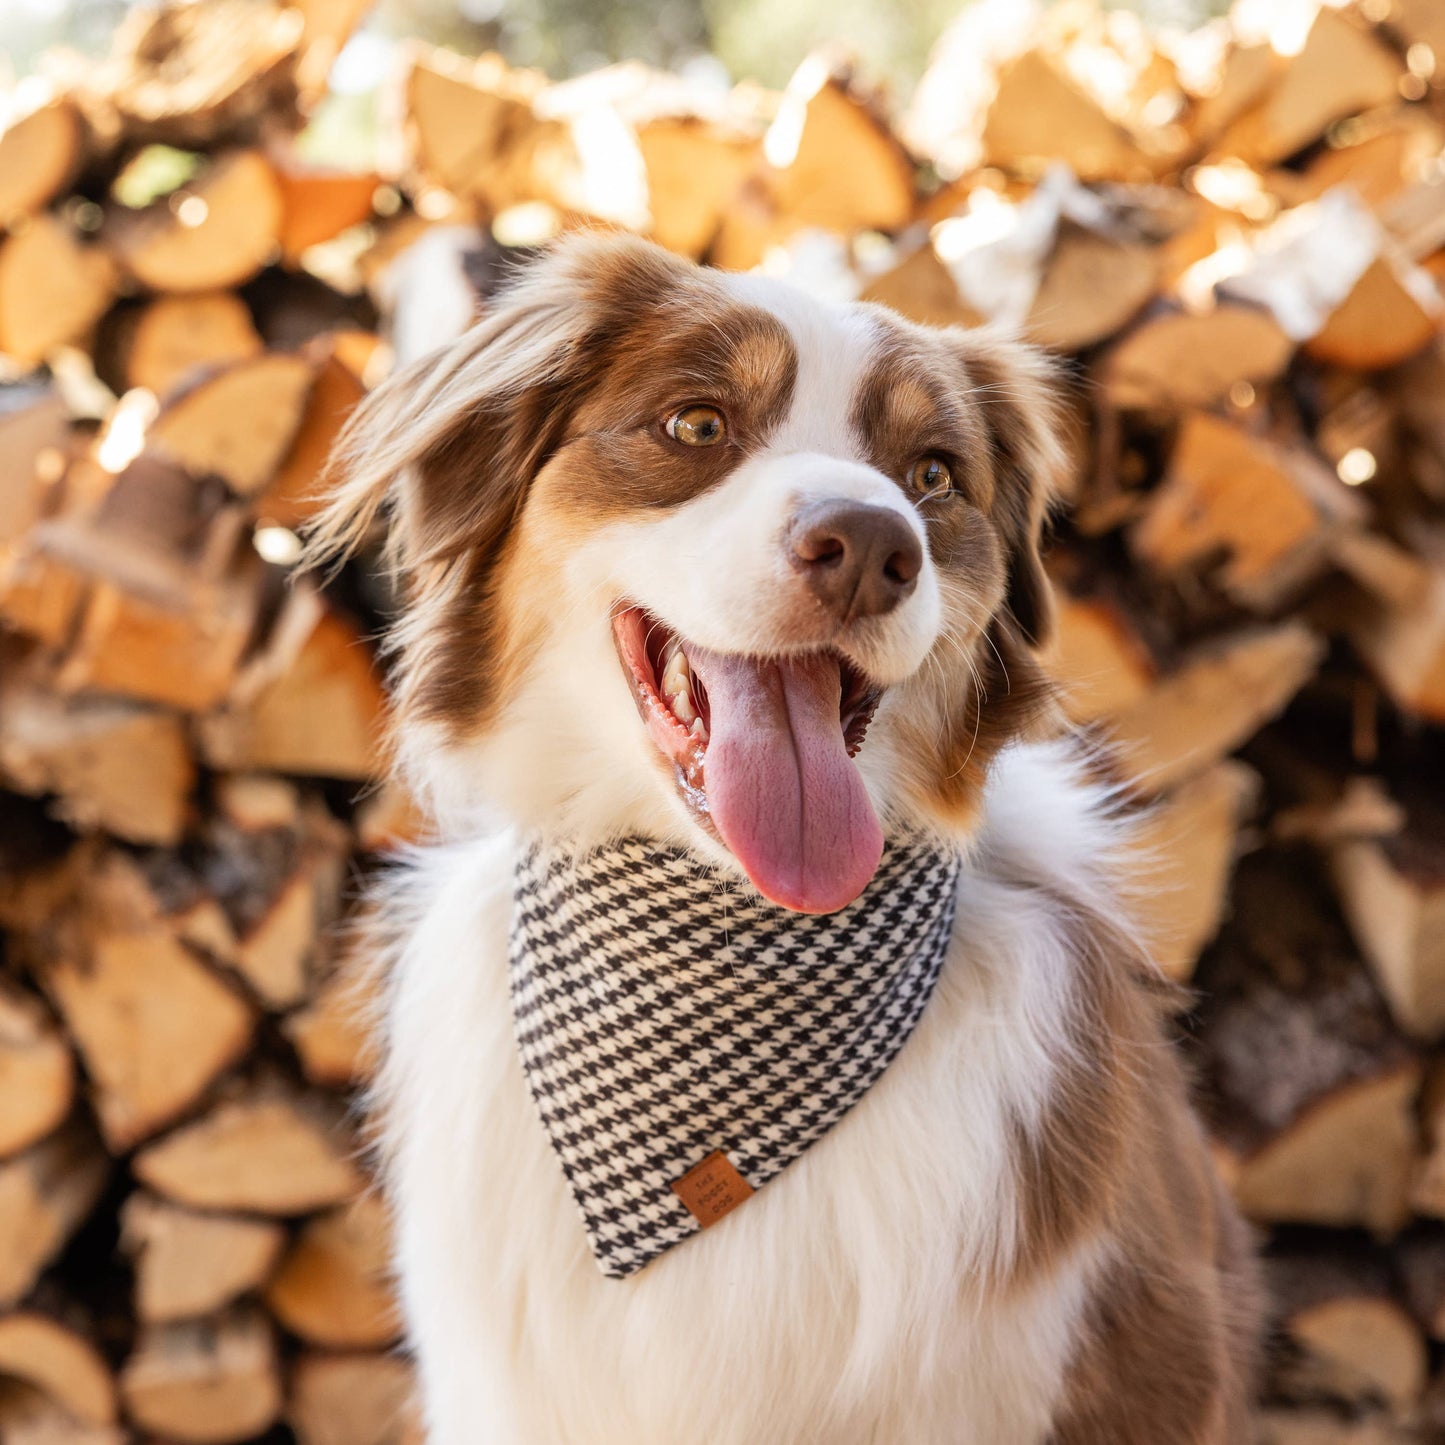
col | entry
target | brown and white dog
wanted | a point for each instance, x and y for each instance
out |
(1015, 1236)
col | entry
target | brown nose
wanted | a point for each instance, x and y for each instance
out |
(859, 560)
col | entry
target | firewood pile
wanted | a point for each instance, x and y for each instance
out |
(1234, 241)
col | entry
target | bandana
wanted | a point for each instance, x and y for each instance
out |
(685, 1040)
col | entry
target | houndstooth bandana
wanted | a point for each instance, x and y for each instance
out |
(685, 1040)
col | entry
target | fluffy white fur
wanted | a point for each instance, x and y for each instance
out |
(863, 1268)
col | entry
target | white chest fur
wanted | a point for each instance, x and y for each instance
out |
(842, 1304)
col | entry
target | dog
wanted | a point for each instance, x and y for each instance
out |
(694, 560)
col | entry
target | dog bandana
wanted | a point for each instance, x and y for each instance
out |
(685, 1040)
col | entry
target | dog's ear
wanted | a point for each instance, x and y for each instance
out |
(1016, 390)
(447, 446)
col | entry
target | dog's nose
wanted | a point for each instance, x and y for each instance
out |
(858, 559)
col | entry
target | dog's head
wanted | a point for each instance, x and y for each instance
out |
(673, 541)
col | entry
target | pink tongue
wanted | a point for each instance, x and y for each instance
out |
(781, 787)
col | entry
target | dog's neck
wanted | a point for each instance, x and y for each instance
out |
(685, 1040)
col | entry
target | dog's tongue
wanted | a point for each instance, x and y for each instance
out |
(782, 790)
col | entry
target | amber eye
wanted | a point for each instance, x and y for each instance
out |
(697, 426)
(930, 475)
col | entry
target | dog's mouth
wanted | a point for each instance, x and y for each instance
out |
(762, 750)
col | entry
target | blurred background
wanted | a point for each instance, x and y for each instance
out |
(224, 220)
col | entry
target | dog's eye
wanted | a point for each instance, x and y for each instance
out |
(697, 426)
(929, 476)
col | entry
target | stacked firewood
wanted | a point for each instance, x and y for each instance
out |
(1234, 243)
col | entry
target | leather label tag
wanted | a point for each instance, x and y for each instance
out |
(712, 1189)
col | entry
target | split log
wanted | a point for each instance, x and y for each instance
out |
(1321, 1426)
(45, 1195)
(1179, 359)
(253, 802)
(310, 703)
(237, 424)
(177, 336)
(189, 1264)
(53, 288)
(1216, 699)
(40, 152)
(1092, 287)
(1349, 1338)
(1427, 1191)
(332, 1034)
(1187, 848)
(1313, 1090)
(269, 1152)
(694, 167)
(1405, 648)
(112, 765)
(1098, 659)
(60, 1363)
(154, 1026)
(331, 1288)
(318, 204)
(28, 1417)
(204, 1382)
(37, 1074)
(214, 233)
(921, 287)
(352, 1400)
(1393, 312)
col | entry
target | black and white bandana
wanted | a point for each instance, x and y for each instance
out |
(665, 1012)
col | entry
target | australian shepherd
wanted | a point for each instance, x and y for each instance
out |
(693, 557)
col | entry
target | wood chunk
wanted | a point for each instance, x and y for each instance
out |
(332, 1035)
(824, 115)
(176, 336)
(215, 233)
(352, 1400)
(271, 1152)
(1405, 648)
(1255, 503)
(45, 1194)
(40, 153)
(253, 802)
(694, 167)
(1092, 287)
(1399, 922)
(53, 288)
(332, 1287)
(204, 1382)
(237, 424)
(1097, 659)
(1427, 1189)
(1040, 115)
(1218, 698)
(292, 498)
(1322, 1426)
(1393, 311)
(1178, 359)
(29, 1417)
(922, 288)
(389, 818)
(1342, 70)
(154, 1026)
(189, 1264)
(37, 1073)
(1187, 845)
(112, 765)
(311, 704)
(34, 446)
(274, 956)
(57, 1361)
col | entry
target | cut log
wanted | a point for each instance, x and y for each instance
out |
(332, 1035)
(40, 152)
(1092, 287)
(922, 288)
(53, 288)
(1218, 698)
(1393, 312)
(154, 1025)
(239, 423)
(37, 1074)
(1098, 659)
(390, 818)
(293, 496)
(1312, 1088)
(1405, 648)
(823, 115)
(1258, 505)
(318, 204)
(254, 802)
(177, 336)
(1349, 1338)
(276, 955)
(111, 765)
(1178, 359)
(60, 1363)
(311, 704)
(189, 1264)
(205, 1382)
(1321, 1425)
(45, 1194)
(352, 1400)
(694, 167)
(331, 1288)
(34, 445)
(29, 1417)
(271, 1152)
(1188, 846)
(1343, 69)
(213, 234)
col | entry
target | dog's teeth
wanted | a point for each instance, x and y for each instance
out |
(682, 708)
(676, 675)
(699, 730)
